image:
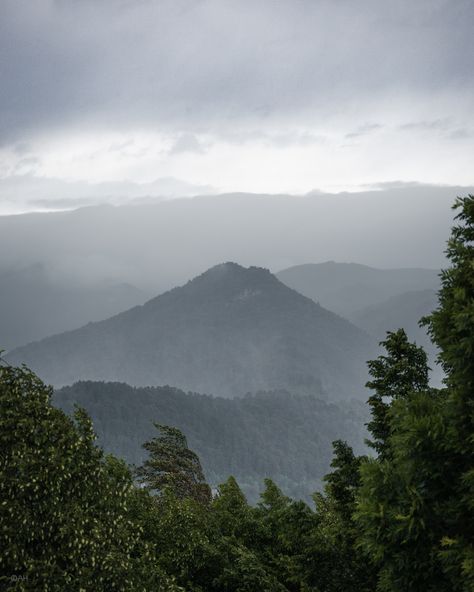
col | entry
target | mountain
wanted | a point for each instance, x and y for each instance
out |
(229, 331)
(35, 304)
(399, 225)
(273, 434)
(403, 310)
(347, 288)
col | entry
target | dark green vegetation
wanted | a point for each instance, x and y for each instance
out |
(274, 434)
(400, 521)
(227, 332)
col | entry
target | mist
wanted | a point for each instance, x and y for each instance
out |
(158, 246)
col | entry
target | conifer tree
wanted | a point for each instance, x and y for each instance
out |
(396, 374)
(451, 327)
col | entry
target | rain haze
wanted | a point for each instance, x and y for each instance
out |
(142, 143)
(237, 295)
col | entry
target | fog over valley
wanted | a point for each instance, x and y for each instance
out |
(158, 246)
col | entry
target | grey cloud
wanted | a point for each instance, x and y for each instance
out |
(461, 134)
(187, 143)
(444, 127)
(433, 125)
(203, 65)
(28, 164)
(18, 191)
(364, 130)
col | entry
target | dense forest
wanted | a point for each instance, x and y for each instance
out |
(270, 434)
(397, 520)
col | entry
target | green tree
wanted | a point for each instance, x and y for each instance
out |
(338, 563)
(232, 512)
(451, 327)
(284, 528)
(402, 371)
(400, 503)
(63, 506)
(171, 464)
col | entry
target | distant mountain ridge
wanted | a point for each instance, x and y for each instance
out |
(397, 226)
(229, 331)
(401, 310)
(35, 303)
(346, 288)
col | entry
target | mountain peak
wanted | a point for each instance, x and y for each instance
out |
(229, 277)
(231, 268)
(229, 331)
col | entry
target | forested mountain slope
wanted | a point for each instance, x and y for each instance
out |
(273, 434)
(230, 331)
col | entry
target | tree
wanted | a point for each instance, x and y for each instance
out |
(451, 327)
(399, 513)
(416, 501)
(63, 506)
(171, 464)
(232, 512)
(398, 501)
(338, 564)
(402, 371)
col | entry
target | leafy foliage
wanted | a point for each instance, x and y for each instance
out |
(402, 371)
(275, 434)
(415, 502)
(173, 465)
(63, 506)
(451, 327)
(339, 563)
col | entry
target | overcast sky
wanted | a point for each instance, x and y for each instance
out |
(199, 96)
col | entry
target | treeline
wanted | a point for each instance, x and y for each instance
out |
(274, 434)
(399, 521)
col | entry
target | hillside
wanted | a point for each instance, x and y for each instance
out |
(346, 288)
(273, 434)
(35, 303)
(403, 310)
(230, 331)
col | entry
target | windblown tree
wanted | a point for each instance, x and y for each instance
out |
(172, 465)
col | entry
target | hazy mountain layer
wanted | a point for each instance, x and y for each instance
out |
(287, 438)
(404, 310)
(159, 246)
(347, 288)
(34, 305)
(227, 332)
